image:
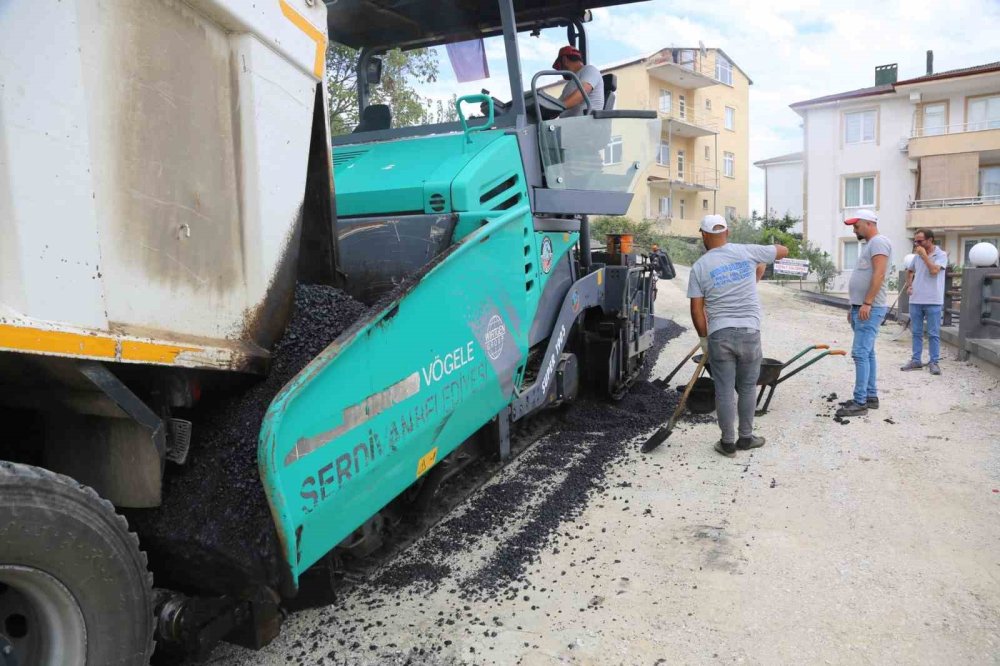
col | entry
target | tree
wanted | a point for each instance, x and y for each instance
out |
(784, 224)
(400, 72)
(820, 265)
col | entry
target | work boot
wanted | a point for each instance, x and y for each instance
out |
(912, 365)
(728, 450)
(751, 442)
(872, 403)
(935, 368)
(853, 409)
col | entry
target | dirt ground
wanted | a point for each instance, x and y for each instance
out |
(877, 541)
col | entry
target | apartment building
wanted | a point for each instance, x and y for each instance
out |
(783, 187)
(921, 152)
(702, 163)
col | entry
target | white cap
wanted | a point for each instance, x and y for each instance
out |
(863, 214)
(709, 222)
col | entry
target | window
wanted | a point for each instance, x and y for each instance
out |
(989, 181)
(681, 106)
(686, 58)
(969, 243)
(708, 152)
(680, 165)
(730, 118)
(729, 165)
(664, 206)
(859, 127)
(850, 255)
(665, 101)
(731, 213)
(681, 211)
(708, 105)
(704, 204)
(613, 151)
(934, 117)
(663, 155)
(723, 70)
(984, 113)
(859, 191)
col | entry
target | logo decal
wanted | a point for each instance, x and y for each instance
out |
(575, 300)
(496, 332)
(547, 254)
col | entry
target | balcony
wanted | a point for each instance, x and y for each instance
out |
(691, 179)
(967, 213)
(954, 139)
(689, 125)
(683, 68)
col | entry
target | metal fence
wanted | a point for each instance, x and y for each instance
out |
(951, 202)
(956, 128)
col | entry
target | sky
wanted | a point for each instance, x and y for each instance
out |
(792, 50)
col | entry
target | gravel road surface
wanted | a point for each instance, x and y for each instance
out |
(874, 541)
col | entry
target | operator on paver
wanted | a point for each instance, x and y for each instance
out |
(925, 285)
(868, 308)
(570, 60)
(725, 310)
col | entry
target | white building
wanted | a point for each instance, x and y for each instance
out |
(923, 152)
(783, 186)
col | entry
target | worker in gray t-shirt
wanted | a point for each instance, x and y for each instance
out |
(570, 60)
(868, 308)
(925, 285)
(725, 310)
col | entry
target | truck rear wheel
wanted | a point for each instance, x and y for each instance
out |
(74, 588)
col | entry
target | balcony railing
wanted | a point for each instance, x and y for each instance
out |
(691, 117)
(953, 202)
(957, 128)
(693, 178)
(689, 59)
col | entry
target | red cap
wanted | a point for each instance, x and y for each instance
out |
(566, 50)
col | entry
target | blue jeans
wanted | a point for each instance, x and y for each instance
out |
(863, 353)
(933, 315)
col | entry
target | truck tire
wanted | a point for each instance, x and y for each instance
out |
(74, 588)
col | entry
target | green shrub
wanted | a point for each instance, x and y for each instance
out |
(820, 265)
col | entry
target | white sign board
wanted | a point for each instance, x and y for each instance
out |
(798, 267)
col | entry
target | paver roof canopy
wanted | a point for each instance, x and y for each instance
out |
(419, 23)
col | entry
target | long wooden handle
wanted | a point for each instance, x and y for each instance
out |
(666, 380)
(687, 391)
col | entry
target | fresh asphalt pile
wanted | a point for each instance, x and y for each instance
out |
(214, 531)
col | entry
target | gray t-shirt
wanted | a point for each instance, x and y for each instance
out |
(726, 278)
(588, 74)
(861, 278)
(929, 289)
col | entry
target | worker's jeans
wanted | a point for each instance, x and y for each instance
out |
(933, 314)
(863, 352)
(735, 355)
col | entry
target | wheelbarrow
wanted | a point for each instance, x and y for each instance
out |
(771, 369)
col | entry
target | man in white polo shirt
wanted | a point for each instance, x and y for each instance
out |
(725, 310)
(925, 285)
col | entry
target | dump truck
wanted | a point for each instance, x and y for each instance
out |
(166, 192)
